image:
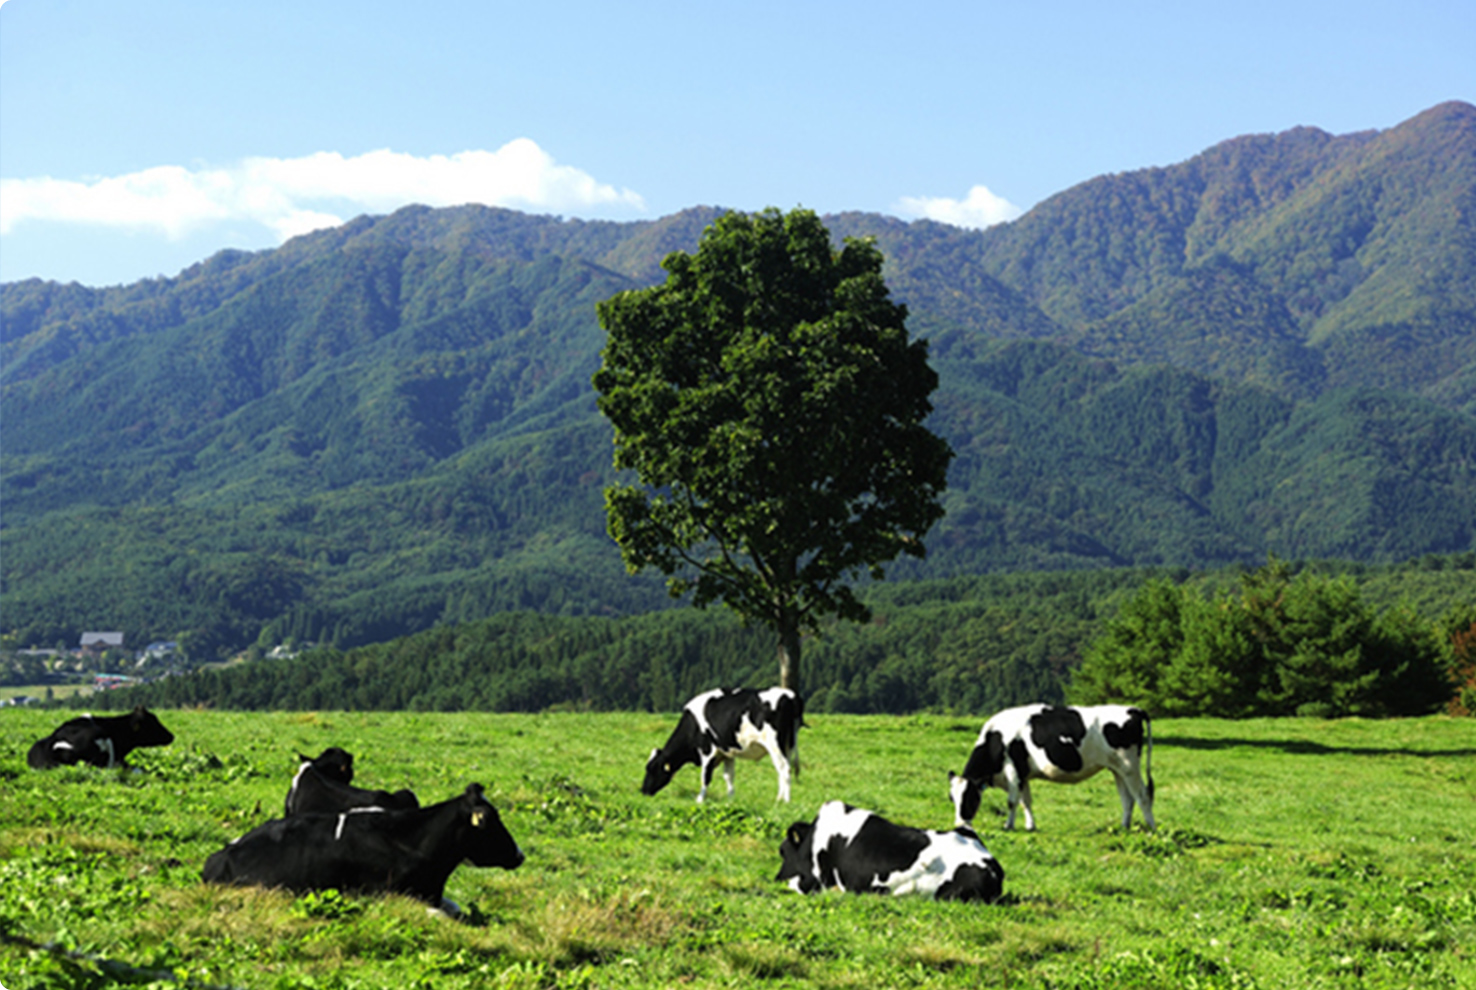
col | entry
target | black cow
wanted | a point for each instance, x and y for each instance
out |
(726, 723)
(370, 850)
(102, 742)
(322, 786)
(846, 848)
(1061, 744)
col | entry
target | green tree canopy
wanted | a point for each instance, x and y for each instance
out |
(1286, 644)
(771, 405)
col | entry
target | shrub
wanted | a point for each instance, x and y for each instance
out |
(1462, 668)
(1282, 645)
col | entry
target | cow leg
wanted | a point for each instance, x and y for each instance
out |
(1125, 795)
(709, 765)
(1130, 789)
(781, 767)
(1025, 803)
(1012, 797)
(728, 767)
(107, 753)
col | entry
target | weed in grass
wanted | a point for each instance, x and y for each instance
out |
(1031, 948)
(178, 764)
(1165, 843)
(1169, 967)
(942, 957)
(325, 904)
(525, 974)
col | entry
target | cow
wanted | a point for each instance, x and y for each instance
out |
(322, 786)
(726, 723)
(1059, 743)
(103, 742)
(851, 849)
(370, 850)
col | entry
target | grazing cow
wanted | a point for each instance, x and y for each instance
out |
(846, 848)
(322, 787)
(726, 723)
(370, 850)
(102, 742)
(1061, 744)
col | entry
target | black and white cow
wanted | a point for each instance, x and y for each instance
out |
(726, 723)
(103, 742)
(846, 848)
(1064, 744)
(370, 850)
(322, 786)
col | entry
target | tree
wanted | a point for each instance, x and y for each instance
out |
(771, 405)
(1128, 659)
(1459, 627)
(1302, 644)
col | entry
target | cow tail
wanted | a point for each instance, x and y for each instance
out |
(1148, 757)
(799, 723)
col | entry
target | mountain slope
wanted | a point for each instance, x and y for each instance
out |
(1355, 253)
(389, 424)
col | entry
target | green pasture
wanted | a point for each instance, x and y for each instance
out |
(1291, 853)
(39, 690)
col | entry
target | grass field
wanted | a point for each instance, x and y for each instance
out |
(39, 690)
(1291, 853)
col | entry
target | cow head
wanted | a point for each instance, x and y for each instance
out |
(966, 795)
(986, 763)
(659, 770)
(333, 763)
(489, 843)
(147, 729)
(796, 858)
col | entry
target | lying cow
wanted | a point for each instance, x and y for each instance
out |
(1063, 744)
(370, 850)
(102, 742)
(726, 723)
(322, 786)
(846, 848)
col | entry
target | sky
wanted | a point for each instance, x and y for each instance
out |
(140, 136)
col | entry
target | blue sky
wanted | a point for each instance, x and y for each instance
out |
(140, 136)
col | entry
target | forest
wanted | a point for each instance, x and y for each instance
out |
(388, 427)
(967, 645)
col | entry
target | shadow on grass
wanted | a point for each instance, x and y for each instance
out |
(1302, 747)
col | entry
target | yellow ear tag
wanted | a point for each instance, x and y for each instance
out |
(478, 817)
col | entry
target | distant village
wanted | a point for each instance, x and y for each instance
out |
(101, 661)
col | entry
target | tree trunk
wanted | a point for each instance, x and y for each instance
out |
(789, 654)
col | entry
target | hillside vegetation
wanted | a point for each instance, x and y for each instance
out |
(376, 429)
(1373, 641)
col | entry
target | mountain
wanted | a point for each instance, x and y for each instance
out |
(385, 426)
(1299, 261)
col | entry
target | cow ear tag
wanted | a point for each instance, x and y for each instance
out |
(478, 817)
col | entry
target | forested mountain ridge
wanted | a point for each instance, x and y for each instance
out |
(389, 425)
(1300, 261)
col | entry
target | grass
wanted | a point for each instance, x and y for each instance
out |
(1291, 853)
(39, 690)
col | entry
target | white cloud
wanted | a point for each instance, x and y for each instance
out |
(295, 195)
(979, 209)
